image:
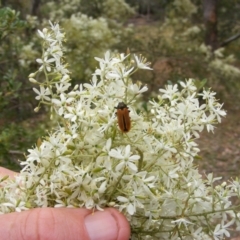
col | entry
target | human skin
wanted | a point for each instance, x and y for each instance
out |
(63, 223)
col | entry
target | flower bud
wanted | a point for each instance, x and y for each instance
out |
(32, 80)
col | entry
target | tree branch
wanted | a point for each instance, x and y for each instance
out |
(229, 40)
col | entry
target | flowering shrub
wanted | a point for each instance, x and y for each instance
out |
(91, 27)
(79, 29)
(178, 37)
(147, 173)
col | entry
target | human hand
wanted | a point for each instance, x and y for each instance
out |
(63, 223)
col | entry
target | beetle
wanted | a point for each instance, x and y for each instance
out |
(124, 121)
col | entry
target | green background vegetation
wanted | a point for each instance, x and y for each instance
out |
(171, 34)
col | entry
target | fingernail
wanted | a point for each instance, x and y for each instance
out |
(101, 225)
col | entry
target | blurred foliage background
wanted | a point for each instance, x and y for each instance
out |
(182, 38)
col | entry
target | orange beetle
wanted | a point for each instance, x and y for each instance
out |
(124, 121)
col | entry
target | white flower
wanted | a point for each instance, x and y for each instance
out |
(93, 88)
(142, 62)
(170, 91)
(189, 85)
(183, 221)
(136, 89)
(206, 94)
(126, 159)
(107, 59)
(59, 37)
(221, 230)
(108, 119)
(46, 63)
(120, 73)
(15, 204)
(130, 207)
(46, 35)
(43, 93)
(62, 102)
(73, 113)
(62, 87)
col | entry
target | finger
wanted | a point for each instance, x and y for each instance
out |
(4, 172)
(64, 223)
(108, 224)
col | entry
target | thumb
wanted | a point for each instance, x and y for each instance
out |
(64, 223)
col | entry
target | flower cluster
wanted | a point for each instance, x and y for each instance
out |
(147, 173)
